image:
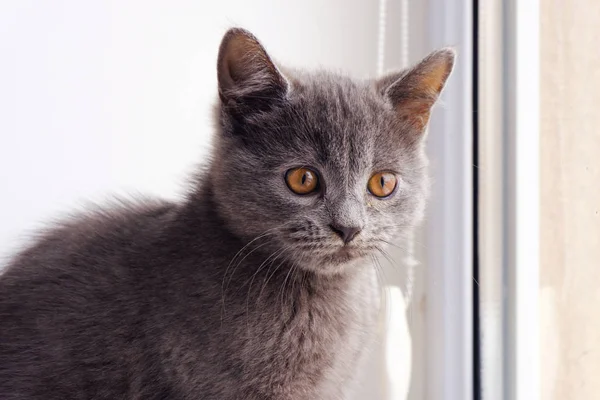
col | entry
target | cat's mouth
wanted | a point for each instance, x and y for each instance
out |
(347, 251)
(345, 254)
(334, 259)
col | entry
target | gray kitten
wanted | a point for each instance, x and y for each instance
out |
(260, 284)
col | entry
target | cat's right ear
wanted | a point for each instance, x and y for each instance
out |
(414, 92)
(246, 73)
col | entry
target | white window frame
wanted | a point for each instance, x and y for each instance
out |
(513, 313)
(521, 111)
(509, 199)
(450, 226)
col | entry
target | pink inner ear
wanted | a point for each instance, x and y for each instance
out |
(237, 56)
(244, 66)
(415, 94)
(433, 80)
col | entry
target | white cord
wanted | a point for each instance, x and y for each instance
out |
(410, 264)
(381, 37)
(404, 37)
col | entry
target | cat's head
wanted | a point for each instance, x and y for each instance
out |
(327, 169)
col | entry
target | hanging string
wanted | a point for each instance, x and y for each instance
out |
(381, 37)
(404, 37)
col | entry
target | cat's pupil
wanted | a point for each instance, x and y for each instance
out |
(382, 181)
(304, 178)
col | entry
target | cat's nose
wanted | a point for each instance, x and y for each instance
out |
(347, 233)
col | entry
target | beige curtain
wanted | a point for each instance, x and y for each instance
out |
(570, 200)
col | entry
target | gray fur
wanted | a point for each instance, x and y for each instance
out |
(242, 291)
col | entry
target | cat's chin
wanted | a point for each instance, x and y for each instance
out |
(344, 255)
(339, 261)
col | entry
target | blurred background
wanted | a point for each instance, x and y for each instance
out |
(99, 98)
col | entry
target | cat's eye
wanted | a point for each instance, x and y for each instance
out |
(382, 184)
(302, 180)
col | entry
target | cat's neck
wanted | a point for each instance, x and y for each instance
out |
(199, 213)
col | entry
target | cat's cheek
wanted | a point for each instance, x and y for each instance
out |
(300, 203)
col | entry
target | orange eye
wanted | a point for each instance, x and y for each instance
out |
(302, 180)
(382, 184)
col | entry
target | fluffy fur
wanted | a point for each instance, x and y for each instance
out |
(242, 291)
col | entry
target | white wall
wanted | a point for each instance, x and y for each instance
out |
(104, 97)
(114, 97)
(100, 98)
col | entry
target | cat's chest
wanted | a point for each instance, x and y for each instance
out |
(313, 342)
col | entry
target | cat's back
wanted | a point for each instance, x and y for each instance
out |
(96, 243)
(61, 296)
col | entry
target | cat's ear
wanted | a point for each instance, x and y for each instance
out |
(245, 71)
(414, 92)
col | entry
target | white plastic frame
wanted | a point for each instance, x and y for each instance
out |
(509, 199)
(450, 226)
(521, 112)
